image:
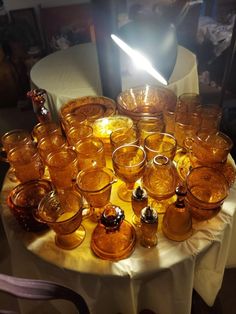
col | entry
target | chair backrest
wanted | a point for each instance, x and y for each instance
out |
(41, 290)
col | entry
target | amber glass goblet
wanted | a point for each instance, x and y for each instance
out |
(62, 211)
(95, 185)
(128, 163)
(207, 189)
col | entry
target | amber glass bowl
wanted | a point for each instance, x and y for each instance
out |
(207, 189)
(24, 199)
(144, 101)
(91, 107)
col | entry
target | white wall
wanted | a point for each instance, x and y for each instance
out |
(20, 4)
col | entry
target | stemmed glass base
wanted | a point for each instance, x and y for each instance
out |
(124, 191)
(72, 240)
(161, 205)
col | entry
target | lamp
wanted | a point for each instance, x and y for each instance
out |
(150, 40)
(151, 44)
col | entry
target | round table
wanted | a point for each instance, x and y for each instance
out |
(160, 279)
(74, 72)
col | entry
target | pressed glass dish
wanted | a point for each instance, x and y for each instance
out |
(145, 101)
(91, 107)
(113, 238)
(24, 199)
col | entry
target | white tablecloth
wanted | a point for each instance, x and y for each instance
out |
(160, 279)
(74, 73)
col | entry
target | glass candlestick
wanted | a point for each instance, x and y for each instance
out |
(149, 225)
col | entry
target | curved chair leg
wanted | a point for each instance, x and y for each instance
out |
(41, 290)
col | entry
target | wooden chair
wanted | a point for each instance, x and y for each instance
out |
(40, 290)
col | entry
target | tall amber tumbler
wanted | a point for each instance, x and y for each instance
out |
(160, 144)
(62, 166)
(187, 117)
(90, 153)
(26, 162)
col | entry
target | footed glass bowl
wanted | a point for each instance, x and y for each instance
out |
(145, 101)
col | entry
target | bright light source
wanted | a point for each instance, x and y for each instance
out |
(139, 59)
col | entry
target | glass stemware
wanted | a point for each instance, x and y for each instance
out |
(62, 211)
(95, 185)
(128, 163)
(159, 180)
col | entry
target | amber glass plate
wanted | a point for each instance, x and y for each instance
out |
(90, 106)
(116, 245)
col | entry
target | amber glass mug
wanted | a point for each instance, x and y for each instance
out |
(209, 149)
